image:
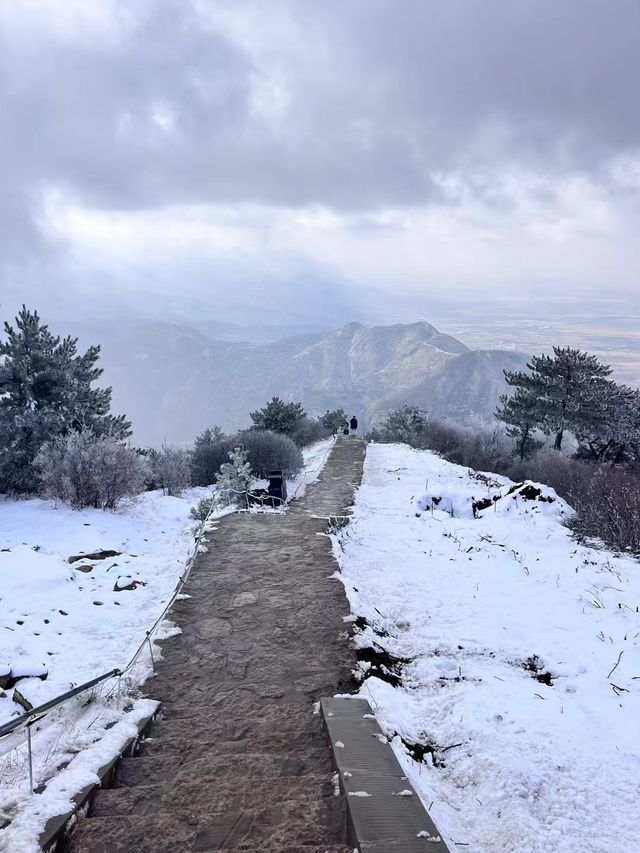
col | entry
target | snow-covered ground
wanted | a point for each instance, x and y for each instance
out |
(75, 620)
(522, 679)
(314, 458)
(72, 621)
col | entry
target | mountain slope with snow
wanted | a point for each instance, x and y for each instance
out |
(499, 651)
(173, 380)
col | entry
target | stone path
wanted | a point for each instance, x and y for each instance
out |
(238, 760)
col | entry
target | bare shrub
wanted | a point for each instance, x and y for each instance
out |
(571, 479)
(309, 430)
(483, 448)
(268, 451)
(610, 508)
(84, 470)
(171, 469)
(442, 437)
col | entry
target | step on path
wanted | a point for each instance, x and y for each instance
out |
(238, 760)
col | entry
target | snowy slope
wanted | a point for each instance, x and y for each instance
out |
(511, 633)
(76, 620)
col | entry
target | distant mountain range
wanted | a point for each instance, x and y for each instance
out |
(173, 380)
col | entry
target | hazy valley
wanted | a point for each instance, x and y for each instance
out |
(175, 379)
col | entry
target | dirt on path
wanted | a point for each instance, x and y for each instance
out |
(238, 760)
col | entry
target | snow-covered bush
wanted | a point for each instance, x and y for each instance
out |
(171, 469)
(84, 470)
(570, 479)
(606, 498)
(234, 478)
(269, 451)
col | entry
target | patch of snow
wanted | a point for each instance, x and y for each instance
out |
(523, 655)
(434, 839)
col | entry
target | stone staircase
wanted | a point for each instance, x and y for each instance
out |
(262, 793)
(238, 759)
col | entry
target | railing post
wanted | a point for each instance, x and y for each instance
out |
(30, 758)
(153, 663)
(119, 699)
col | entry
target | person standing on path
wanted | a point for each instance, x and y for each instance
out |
(353, 424)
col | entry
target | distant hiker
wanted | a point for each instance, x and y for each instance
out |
(353, 423)
(345, 430)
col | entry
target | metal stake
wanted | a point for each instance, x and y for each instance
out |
(153, 663)
(119, 692)
(30, 759)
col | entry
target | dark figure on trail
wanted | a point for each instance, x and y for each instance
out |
(353, 423)
(345, 430)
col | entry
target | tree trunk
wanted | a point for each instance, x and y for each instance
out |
(558, 442)
(524, 434)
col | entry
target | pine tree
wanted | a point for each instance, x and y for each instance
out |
(207, 456)
(406, 424)
(334, 420)
(520, 415)
(278, 416)
(234, 478)
(45, 393)
(561, 390)
(612, 432)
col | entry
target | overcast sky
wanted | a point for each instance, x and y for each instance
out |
(179, 150)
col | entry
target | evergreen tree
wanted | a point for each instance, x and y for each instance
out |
(561, 391)
(406, 424)
(612, 432)
(208, 454)
(45, 393)
(334, 420)
(278, 416)
(520, 414)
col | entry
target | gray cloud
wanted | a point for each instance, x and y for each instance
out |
(381, 95)
(355, 106)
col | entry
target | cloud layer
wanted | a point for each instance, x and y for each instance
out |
(401, 144)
